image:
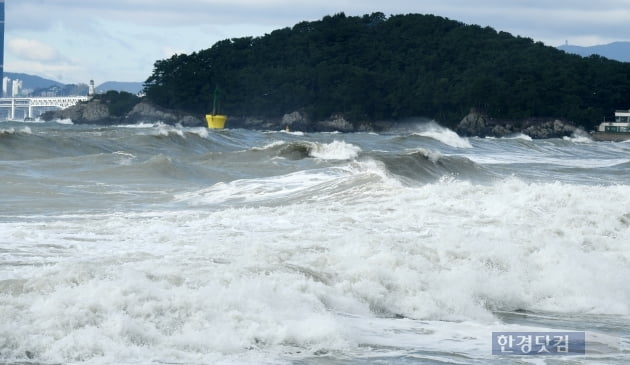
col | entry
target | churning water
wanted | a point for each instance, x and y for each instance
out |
(153, 244)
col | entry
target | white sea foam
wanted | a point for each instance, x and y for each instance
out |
(579, 136)
(532, 159)
(66, 121)
(433, 156)
(336, 150)
(295, 133)
(309, 185)
(520, 136)
(123, 153)
(314, 274)
(165, 130)
(141, 125)
(326, 261)
(442, 134)
(23, 130)
(200, 131)
(270, 145)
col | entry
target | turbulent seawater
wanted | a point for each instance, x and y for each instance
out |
(153, 244)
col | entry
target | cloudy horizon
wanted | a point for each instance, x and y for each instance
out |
(74, 41)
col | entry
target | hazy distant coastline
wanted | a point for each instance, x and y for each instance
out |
(618, 51)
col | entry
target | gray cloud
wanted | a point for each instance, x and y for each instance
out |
(122, 38)
(606, 19)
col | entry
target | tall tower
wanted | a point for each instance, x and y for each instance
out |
(91, 89)
(1, 39)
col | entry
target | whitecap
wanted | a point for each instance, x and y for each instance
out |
(442, 134)
(66, 121)
(336, 150)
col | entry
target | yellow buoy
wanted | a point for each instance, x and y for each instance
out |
(216, 121)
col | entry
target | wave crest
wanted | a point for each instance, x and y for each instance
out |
(442, 134)
(336, 150)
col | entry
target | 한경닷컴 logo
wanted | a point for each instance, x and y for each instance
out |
(538, 343)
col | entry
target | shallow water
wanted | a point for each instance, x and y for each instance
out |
(160, 244)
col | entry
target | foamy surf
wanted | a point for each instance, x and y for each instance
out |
(66, 121)
(335, 150)
(316, 276)
(520, 136)
(120, 245)
(442, 134)
(579, 136)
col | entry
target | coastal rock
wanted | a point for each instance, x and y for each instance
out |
(253, 123)
(147, 112)
(291, 118)
(479, 125)
(92, 112)
(337, 123)
(502, 130)
(555, 128)
(295, 121)
(96, 112)
(473, 124)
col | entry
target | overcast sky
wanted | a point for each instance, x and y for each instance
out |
(119, 40)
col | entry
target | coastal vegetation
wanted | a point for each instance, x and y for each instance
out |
(375, 67)
(118, 103)
(108, 108)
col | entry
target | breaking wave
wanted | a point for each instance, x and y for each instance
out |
(336, 150)
(444, 135)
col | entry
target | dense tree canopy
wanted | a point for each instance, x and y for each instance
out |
(118, 103)
(377, 68)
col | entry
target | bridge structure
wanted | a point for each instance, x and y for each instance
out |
(27, 106)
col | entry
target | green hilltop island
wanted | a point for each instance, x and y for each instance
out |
(376, 72)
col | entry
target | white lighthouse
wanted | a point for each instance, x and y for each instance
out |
(91, 89)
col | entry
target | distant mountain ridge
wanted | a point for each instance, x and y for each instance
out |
(619, 51)
(34, 82)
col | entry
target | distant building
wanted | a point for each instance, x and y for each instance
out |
(16, 88)
(5, 86)
(11, 88)
(91, 89)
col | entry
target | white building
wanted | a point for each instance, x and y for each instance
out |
(91, 89)
(5, 85)
(11, 88)
(620, 125)
(16, 88)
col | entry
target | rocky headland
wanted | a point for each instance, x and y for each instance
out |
(480, 125)
(98, 111)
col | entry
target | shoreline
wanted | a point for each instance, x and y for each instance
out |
(610, 137)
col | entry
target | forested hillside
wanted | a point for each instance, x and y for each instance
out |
(381, 68)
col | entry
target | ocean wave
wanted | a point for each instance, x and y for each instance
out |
(165, 130)
(442, 134)
(336, 150)
(292, 187)
(422, 165)
(141, 125)
(579, 136)
(521, 136)
(66, 121)
(15, 131)
(387, 266)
